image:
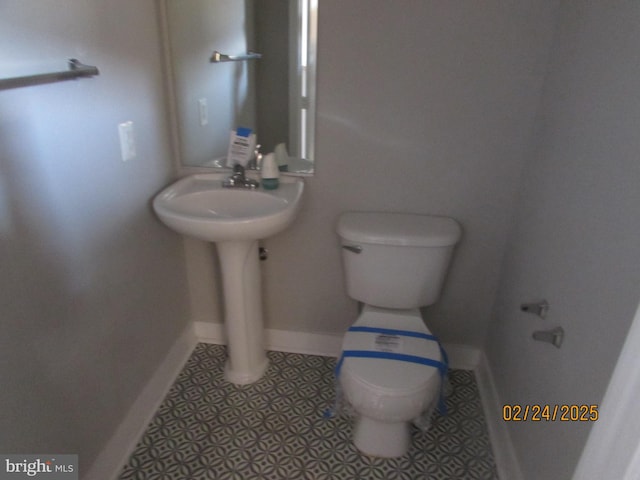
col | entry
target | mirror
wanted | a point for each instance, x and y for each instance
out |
(271, 91)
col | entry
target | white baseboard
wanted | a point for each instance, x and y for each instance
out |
(116, 453)
(323, 344)
(210, 333)
(503, 451)
(327, 345)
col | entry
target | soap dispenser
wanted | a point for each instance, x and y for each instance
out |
(269, 172)
(282, 157)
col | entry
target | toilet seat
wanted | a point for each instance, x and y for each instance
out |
(388, 377)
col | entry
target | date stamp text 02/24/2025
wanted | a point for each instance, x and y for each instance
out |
(549, 413)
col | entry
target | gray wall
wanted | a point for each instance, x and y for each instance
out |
(424, 108)
(575, 240)
(92, 287)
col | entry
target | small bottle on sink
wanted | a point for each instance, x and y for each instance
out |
(269, 172)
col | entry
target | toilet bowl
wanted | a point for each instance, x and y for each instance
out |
(387, 395)
(390, 368)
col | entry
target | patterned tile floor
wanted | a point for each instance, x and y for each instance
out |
(207, 428)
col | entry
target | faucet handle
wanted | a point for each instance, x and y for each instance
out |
(254, 161)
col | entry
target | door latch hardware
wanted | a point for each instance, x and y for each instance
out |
(538, 308)
(554, 337)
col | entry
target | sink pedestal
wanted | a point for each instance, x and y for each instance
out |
(234, 219)
(240, 265)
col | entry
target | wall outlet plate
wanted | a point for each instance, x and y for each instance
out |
(127, 141)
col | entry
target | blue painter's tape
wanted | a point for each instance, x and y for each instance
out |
(442, 366)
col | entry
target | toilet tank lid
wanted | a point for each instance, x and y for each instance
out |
(402, 229)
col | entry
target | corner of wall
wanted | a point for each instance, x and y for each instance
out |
(505, 455)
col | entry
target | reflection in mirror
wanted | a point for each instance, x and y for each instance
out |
(272, 93)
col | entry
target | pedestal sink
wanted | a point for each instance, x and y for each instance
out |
(235, 219)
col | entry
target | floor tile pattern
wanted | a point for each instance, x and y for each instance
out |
(207, 428)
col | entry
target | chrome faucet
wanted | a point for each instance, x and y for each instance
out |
(239, 180)
(255, 162)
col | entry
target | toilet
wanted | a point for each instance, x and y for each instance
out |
(390, 366)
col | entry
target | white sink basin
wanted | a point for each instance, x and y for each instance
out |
(200, 207)
(235, 219)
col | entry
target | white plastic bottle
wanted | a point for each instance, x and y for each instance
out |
(269, 172)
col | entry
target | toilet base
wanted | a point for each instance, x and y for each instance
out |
(381, 439)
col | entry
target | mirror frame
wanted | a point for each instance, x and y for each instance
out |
(307, 101)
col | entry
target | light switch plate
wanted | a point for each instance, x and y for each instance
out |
(127, 141)
(203, 111)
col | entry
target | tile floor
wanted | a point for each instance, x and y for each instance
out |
(207, 428)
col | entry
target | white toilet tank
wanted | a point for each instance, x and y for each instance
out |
(394, 260)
